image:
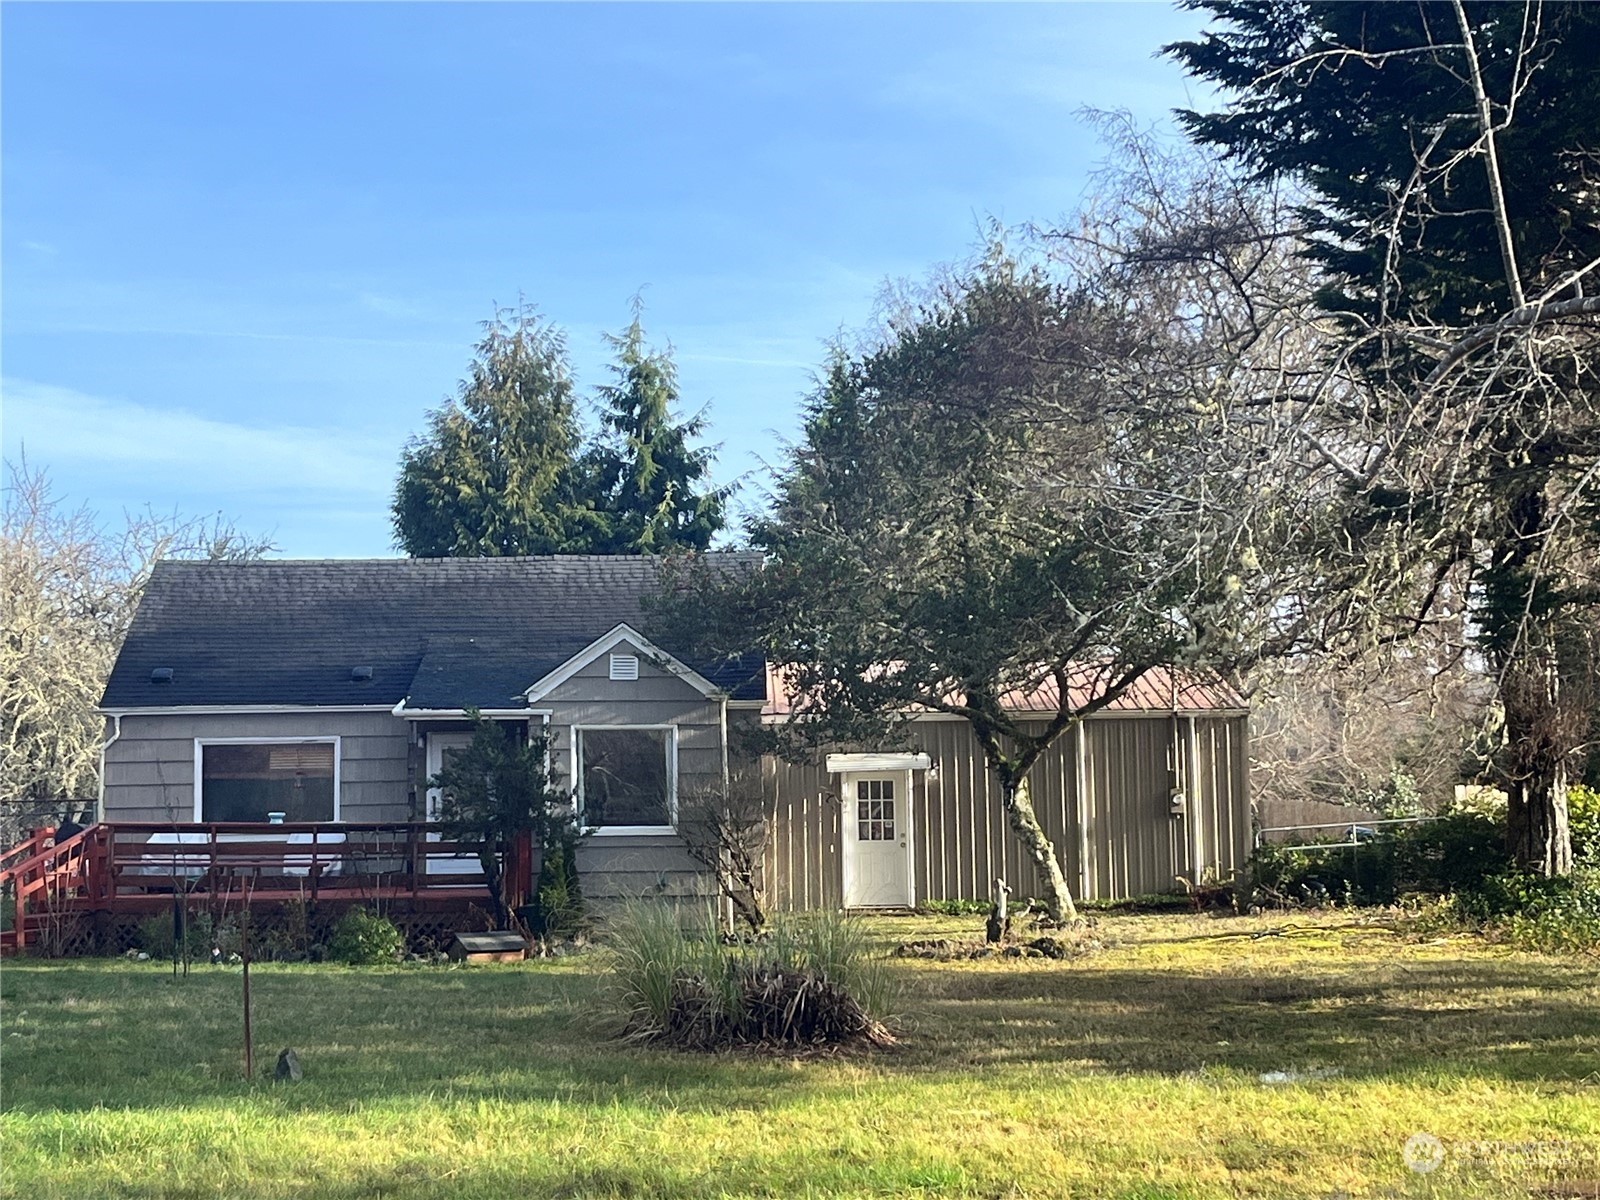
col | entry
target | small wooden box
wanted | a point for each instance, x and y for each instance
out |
(500, 946)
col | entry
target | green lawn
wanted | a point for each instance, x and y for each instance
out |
(1134, 1073)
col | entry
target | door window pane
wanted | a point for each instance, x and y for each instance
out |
(875, 820)
(875, 815)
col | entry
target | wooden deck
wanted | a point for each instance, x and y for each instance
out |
(137, 867)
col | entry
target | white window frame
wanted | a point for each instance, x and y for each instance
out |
(672, 781)
(199, 756)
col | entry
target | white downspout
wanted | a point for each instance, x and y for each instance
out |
(725, 903)
(116, 732)
(723, 717)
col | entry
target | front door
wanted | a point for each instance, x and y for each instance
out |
(439, 746)
(877, 837)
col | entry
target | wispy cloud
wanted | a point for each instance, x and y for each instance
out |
(117, 329)
(1077, 55)
(391, 306)
(60, 427)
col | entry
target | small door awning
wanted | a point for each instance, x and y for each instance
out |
(840, 764)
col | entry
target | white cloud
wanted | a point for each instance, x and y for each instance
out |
(63, 429)
(390, 306)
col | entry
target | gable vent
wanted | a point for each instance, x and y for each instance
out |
(161, 675)
(624, 666)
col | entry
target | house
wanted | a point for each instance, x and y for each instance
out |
(329, 691)
(322, 695)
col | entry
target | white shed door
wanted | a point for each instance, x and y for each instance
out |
(877, 839)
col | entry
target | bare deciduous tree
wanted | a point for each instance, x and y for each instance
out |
(70, 586)
(725, 830)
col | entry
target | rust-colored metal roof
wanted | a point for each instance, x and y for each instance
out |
(1159, 689)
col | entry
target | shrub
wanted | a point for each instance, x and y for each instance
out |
(283, 935)
(1341, 874)
(1455, 853)
(1528, 911)
(1583, 816)
(364, 938)
(1464, 858)
(811, 981)
(158, 938)
(557, 907)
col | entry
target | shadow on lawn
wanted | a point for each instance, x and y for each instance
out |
(1484, 1018)
(86, 1035)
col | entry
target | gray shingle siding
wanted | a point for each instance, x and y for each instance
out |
(631, 866)
(150, 767)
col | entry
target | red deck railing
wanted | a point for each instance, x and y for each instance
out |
(45, 876)
(124, 865)
(36, 841)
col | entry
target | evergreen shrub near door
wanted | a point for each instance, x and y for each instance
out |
(557, 908)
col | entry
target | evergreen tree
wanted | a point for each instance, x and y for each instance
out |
(1451, 158)
(1371, 105)
(646, 485)
(494, 475)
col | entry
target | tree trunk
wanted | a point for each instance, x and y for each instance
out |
(1540, 736)
(1025, 824)
(494, 880)
(747, 908)
(1536, 824)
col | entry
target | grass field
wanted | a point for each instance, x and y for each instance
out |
(1136, 1073)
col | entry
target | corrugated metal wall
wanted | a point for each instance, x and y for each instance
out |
(1224, 762)
(960, 840)
(802, 856)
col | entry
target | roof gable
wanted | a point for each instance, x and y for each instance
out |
(622, 635)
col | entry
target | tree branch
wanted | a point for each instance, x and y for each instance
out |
(1502, 221)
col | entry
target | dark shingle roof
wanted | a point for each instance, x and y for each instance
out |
(446, 633)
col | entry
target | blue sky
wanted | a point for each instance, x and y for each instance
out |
(245, 248)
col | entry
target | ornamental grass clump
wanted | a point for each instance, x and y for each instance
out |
(809, 982)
